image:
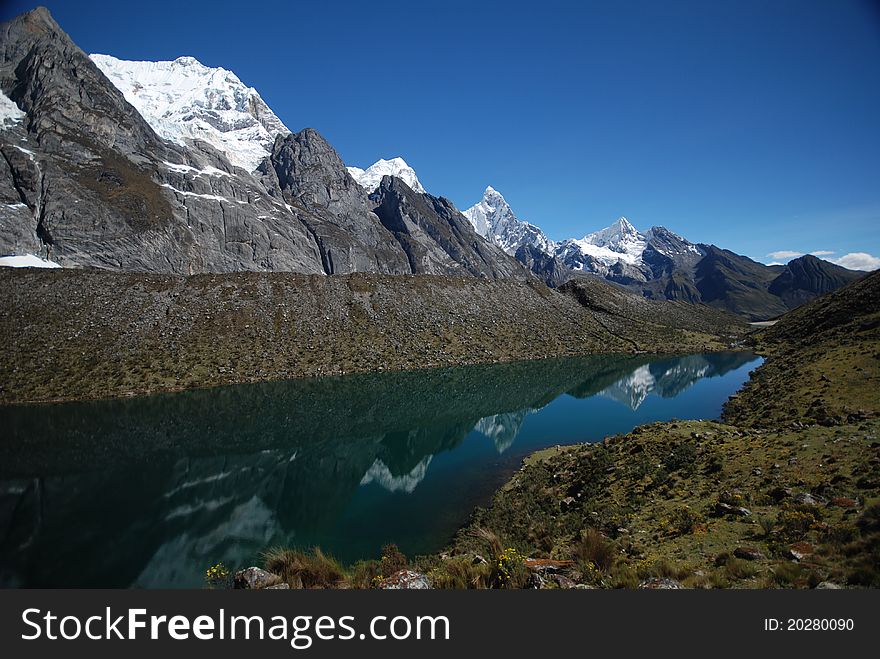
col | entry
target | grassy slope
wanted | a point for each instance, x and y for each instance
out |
(87, 334)
(798, 449)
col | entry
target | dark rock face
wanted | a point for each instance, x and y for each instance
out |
(547, 268)
(436, 238)
(730, 281)
(808, 277)
(85, 181)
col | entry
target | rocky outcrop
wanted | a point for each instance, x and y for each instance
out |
(308, 174)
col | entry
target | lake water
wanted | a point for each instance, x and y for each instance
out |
(149, 492)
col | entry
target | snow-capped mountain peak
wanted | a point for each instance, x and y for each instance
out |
(619, 242)
(184, 100)
(620, 233)
(493, 219)
(370, 178)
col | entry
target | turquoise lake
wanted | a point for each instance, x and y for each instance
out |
(148, 492)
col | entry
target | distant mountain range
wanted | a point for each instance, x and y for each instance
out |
(175, 167)
(659, 264)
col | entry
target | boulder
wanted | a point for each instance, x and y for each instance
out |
(405, 580)
(748, 554)
(722, 509)
(806, 499)
(254, 578)
(660, 583)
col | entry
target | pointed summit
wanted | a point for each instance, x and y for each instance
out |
(494, 220)
(620, 230)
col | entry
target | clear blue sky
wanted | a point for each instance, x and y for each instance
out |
(754, 125)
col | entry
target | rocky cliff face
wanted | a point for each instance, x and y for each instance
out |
(85, 181)
(436, 238)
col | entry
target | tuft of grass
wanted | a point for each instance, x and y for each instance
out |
(624, 576)
(461, 572)
(788, 574)
(737, 568)
(363, 574)
(305, 569)
(591, 548)
(489, 540)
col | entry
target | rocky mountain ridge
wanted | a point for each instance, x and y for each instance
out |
(86, 181)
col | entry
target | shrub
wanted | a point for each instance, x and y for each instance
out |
(767, 524)
(682, 458)
(797, 521)
(218, 576)
(683, 521)
(393, 560)
(509, 570)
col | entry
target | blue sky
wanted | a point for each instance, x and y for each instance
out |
(749, 124)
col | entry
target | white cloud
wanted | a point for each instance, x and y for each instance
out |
(853, 260)
(858, 261)
(784, 255)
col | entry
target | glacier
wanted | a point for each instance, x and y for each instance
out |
(185, 100)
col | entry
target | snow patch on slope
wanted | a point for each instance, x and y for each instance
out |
(27, 261)
(9, 112)
(186, 100)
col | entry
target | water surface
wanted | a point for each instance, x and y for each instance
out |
(148, 492)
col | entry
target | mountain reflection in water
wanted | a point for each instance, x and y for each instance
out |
(148, 492)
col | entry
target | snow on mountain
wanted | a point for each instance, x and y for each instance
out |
(370, 177)
(9, 112)
(494, 220)
(619, 242)
(185, 100)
